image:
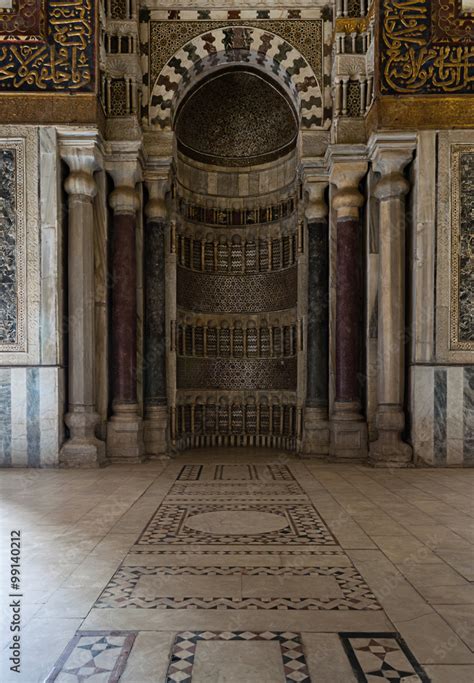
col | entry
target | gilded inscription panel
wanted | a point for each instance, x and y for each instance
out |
(426, 47)
(47, 46)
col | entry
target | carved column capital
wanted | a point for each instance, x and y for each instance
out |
(347, 199)
(316, 207)
(124, 199)
(83, 162)
(156, 208)
(389, 156)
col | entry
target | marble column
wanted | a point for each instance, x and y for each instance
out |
(82, 448)
(389, 450)
(316, 424)
(156, 410)
(125, 427)
(348, 425)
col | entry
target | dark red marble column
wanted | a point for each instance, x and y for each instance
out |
(124, 310)
(348, 313)
(125, 428)
(348, 424)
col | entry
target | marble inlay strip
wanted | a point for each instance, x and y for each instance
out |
(32, 413)
(468, 415)
(5, 417)
(440, 416)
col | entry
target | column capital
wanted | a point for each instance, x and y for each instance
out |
(82, 161)
(316, 207)
(389, 157)
(391, 153)
(156, 208)
(346, 176)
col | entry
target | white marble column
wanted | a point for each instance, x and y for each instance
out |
(82, 448)
(125, 427)
(348, 424)
(389, 159)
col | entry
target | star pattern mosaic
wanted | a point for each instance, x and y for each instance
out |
(382, 656)
(95, 656)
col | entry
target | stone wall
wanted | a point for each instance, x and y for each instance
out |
(441, 372)
(31, 372)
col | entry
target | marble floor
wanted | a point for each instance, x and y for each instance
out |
(240, 567)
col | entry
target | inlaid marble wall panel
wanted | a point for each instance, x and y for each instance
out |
(442, 414)
(20, 255)
(31, 426)
(454, 249)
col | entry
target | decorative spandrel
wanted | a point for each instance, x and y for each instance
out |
(426, 47)
(47, 46)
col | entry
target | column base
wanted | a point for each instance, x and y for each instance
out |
(82, 449)
(155, 428)
(348, 432)
(389, 450)
(125, 435)
(315, 432)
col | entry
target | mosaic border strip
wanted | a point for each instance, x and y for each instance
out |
(120, 664)
(359, 671)
(459, 244)
(356, 594)
(183, 652)
(17, 208)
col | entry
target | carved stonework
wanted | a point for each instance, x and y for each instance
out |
(462, 248)
(12, 239)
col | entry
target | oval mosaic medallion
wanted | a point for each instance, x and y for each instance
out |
(236, 522)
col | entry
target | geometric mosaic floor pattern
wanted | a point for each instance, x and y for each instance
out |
(237, 565)
(296, 525)
(186, 644)
(317, 588)
(382, 656)
(93, 656)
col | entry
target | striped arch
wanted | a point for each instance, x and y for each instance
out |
(257, 48)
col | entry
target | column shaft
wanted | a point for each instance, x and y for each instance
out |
(318, 314)
(155, 332)
(348, 313)
(124, 310)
